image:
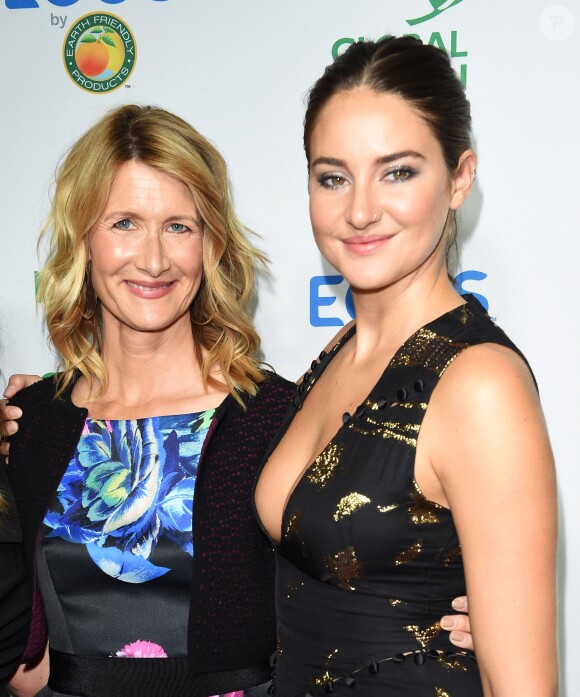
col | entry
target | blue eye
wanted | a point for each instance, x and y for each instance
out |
(124, 224)
(178, 227)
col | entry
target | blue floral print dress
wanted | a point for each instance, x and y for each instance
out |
(115, 556)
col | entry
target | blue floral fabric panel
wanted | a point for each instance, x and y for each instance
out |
(128, 486)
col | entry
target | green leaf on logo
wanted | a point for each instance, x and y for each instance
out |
(96, 30)
(88, 39)
(438, 6)
(108, 40)
(108, 31)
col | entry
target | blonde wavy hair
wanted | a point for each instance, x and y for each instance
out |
(221, 324)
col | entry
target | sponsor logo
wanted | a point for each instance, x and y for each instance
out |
(437, 7)
(325, 291)
(31, 4)
(471, 275)
(99, 52)
(436, 38)
(320, 298)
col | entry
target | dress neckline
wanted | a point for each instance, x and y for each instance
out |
(187, 414)
(312, 376)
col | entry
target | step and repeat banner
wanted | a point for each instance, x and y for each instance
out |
(239, 70)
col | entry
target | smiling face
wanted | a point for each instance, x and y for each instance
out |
(146, 251)
(380, 191)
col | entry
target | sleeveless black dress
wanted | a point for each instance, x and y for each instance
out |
(366, 564)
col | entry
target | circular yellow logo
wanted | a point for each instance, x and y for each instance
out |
(99, 52)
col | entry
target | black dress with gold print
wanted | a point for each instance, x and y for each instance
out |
(367, 565)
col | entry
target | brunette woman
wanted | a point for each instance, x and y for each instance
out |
(415, 463)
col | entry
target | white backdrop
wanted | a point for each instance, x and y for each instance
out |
(238, 71)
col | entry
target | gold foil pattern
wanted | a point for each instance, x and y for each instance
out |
(389, 508)
(374, 406)
(349, 504)
(323, 467)
(409, 554)
(428, 349)
(440, 692)
(452, 556)
(424, 636)
(292, 587)
(394, 602)
(452, 663)
(326, 676)
(423, 511)
(292, 529)
(391, 430)
(412, 405)
(343, 566)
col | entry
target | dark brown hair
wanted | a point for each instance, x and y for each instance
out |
(421, 75)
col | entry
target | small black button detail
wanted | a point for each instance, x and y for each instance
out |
(420, 658)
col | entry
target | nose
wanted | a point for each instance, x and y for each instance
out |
(362, 208)
(153, 258)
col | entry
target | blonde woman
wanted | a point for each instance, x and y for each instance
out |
(131, 471)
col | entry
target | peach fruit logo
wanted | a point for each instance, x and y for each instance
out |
(99, 52)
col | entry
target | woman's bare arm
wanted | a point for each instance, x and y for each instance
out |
(493, 458)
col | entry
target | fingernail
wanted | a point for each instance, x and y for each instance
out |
(456, 637)
(447, 623)
(10, 428)
(15, 412)
(458, 604)
(9, 391)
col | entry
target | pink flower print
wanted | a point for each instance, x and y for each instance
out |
(145, 649)
(239, 693)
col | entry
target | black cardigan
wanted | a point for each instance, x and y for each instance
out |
(231, 617)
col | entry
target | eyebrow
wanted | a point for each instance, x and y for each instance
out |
(132, 214)
(384, 160)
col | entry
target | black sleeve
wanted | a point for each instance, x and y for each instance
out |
(15, 597)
